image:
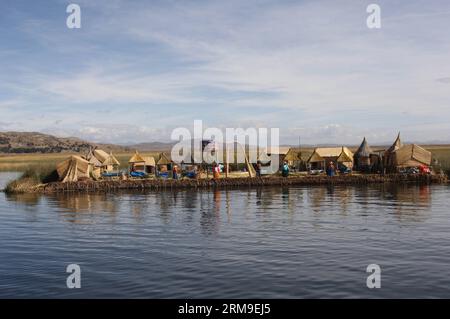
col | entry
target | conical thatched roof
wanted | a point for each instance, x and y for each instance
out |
(397, 144)
(136, 158)
(364, 149)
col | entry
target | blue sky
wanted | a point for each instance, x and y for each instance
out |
(138, 69)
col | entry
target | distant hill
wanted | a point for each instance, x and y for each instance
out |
(152, 146)
(33, 142)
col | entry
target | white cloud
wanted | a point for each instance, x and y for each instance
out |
(309, 65)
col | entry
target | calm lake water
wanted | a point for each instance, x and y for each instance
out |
(247, 243)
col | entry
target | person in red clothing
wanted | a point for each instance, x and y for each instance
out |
(216, 171)
(174, 172)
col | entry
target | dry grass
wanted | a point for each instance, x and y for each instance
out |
(442, 155)
(24, 162)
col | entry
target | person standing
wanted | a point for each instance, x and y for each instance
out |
(258, 169)
(285, 170)
(331, 169)
(216, 171)
(174, 172)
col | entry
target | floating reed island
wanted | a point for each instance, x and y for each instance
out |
(99, 171)
(205, 183)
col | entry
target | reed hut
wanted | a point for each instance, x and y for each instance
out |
(140, 163)
(322, 156)
(388, 156)
(136, 162)
(95, 164)
(110, 164)
(411, 155)
(73, 169)
(164, 163)
(365, 158)
(101, 162)
(294, 158)
(101, 155)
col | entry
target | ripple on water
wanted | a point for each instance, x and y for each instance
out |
(262, 243)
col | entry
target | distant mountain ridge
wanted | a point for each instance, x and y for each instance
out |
(34, 142)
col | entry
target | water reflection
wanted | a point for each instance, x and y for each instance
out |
(27, 199)
(408, 202)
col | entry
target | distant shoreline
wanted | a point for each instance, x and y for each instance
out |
(160, 184)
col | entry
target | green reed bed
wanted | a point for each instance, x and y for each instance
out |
(31, 178)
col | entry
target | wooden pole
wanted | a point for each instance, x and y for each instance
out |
(227, 167)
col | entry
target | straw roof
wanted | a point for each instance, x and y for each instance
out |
(397, 144)
(364, 149)
(412, 155)
(163, 159)
(110, 160)
(73, 168)
(136, 158)
(321, 153)
(101, 155)
(94, 161)
(149, 161)
(345, 156)
(294, 154)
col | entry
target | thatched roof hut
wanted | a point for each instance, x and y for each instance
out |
(411, 155)
(72, 169)
(94, 161)
(323, 155)
(101, 155)
(150, 161)
(362, 157)
(397, 144)
(140, 163)
(296, 158)
(364, 150)
(164, 163)
(164, 159)
(111, 161)
(136, 158)
(388, 158)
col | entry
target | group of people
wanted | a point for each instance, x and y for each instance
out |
(217, 169)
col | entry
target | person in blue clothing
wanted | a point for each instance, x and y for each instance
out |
(174, 172)
(331, 169)
(285, 170)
